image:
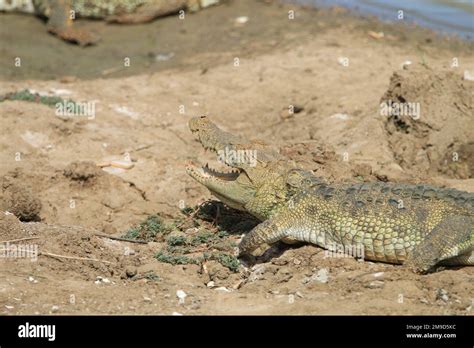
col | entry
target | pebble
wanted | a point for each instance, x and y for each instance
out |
(211, 284)
(442, 294)
(164, 56)
(146, 299)
(321, 277)
(131, 272)
(242, 20)
(342, 61)
(378, 274)
(54, 309)
(100, 279)
(468, 76)
(122, 164)
(222, 288)
(340, 116)
(376, 35)
(113, 170)
(405, 64)
(181, 296)
(376, 284)
(257, 273)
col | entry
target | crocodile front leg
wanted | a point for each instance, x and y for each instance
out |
(286, 225)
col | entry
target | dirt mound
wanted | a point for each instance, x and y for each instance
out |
(78, 194)
(82, 171)
(19, 200)
(428, 113)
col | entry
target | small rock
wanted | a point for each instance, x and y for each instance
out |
(223, 288)
(297, 262)
(376, 35)
(122, 164)
(468, 76)
(207, 3)
(376, 284)
(442, 294)
(241, 20)
(340, 116)
(342, 61)
(378, 274)
(299, 294)
(181, 296)
(131, 272)
(54, 309)
(176, 313)
(468, 308)
(211, 284)
(100, 279)
(9, 307)
(257, 273)
(164, 56)
(146, 299)
(321, 277)
(405, 64)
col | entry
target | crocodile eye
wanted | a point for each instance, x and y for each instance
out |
(294, 178)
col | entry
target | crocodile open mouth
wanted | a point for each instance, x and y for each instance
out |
(208, 173)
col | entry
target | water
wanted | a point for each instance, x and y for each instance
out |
(448, 16)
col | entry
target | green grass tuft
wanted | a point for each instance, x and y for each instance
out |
(229, 261)
(176, 240)
(175, 259)
(148, 229)
(26, 95)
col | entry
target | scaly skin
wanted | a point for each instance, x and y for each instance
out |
(59, 13)
(420, 226)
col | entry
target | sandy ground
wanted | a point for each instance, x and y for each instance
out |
(48, 171)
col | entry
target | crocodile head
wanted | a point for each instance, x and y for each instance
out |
(259, 179)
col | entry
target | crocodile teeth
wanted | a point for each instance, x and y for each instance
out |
(232, 175)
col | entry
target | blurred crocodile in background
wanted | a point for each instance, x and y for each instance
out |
(60, 14)
(421, 226)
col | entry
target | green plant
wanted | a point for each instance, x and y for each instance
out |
(176, 240)
(148, 229)
(175, 259)
(229, 261)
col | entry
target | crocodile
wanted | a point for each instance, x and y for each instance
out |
(419, 226)
(60, 14)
